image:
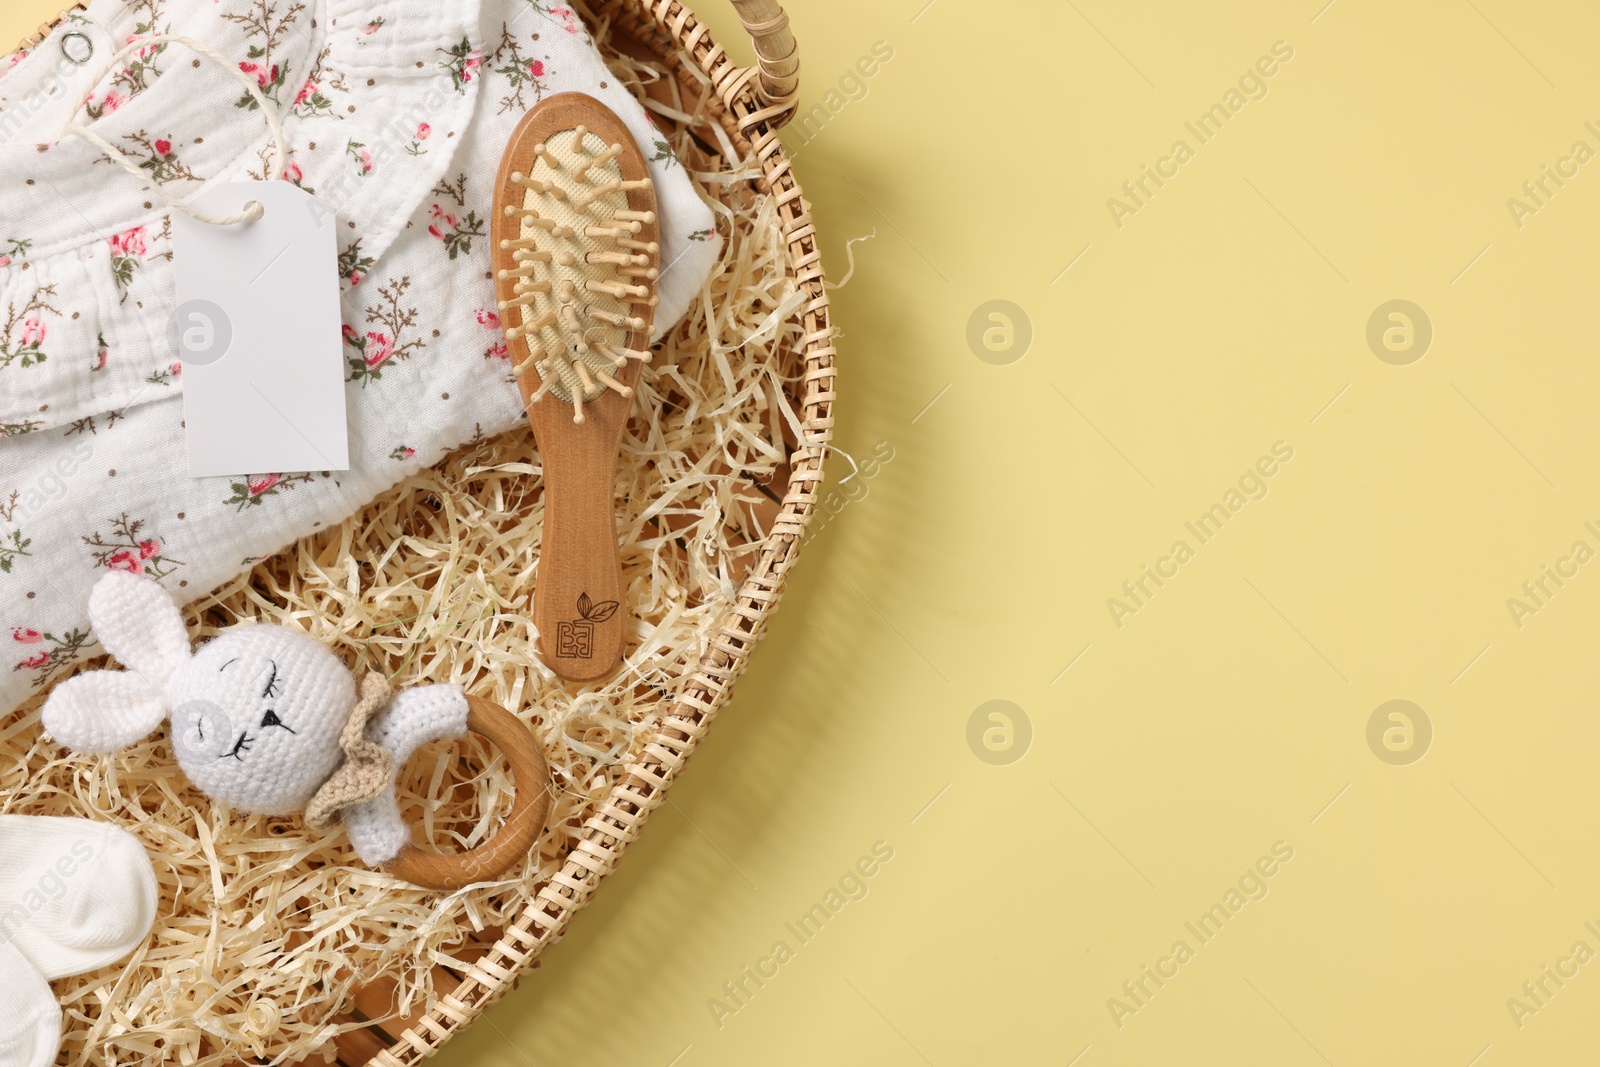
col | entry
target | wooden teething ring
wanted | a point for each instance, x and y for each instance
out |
(529, 809)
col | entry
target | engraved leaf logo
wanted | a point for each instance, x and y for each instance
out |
(589, 611)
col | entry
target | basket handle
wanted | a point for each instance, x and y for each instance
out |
(777, 53)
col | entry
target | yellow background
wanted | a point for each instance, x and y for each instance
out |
(1230, 713)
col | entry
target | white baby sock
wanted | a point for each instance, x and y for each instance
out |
(75, 895)
(30, 1018)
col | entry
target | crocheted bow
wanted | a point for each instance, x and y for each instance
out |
(367, 770)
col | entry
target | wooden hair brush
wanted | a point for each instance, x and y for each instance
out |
(576, 255)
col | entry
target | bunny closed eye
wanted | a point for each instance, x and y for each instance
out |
(273, 688)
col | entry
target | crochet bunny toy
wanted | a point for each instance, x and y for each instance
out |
(263, 718)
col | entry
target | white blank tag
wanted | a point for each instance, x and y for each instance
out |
(257, 327)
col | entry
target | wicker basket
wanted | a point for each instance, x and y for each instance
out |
(741, 108)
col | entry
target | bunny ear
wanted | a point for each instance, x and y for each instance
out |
(138, 622)
(103, 711)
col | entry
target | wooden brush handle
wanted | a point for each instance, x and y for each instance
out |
(578, 604)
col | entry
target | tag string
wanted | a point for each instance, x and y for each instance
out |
(252, 210)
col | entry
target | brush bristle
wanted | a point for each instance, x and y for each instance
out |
(582, 276)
